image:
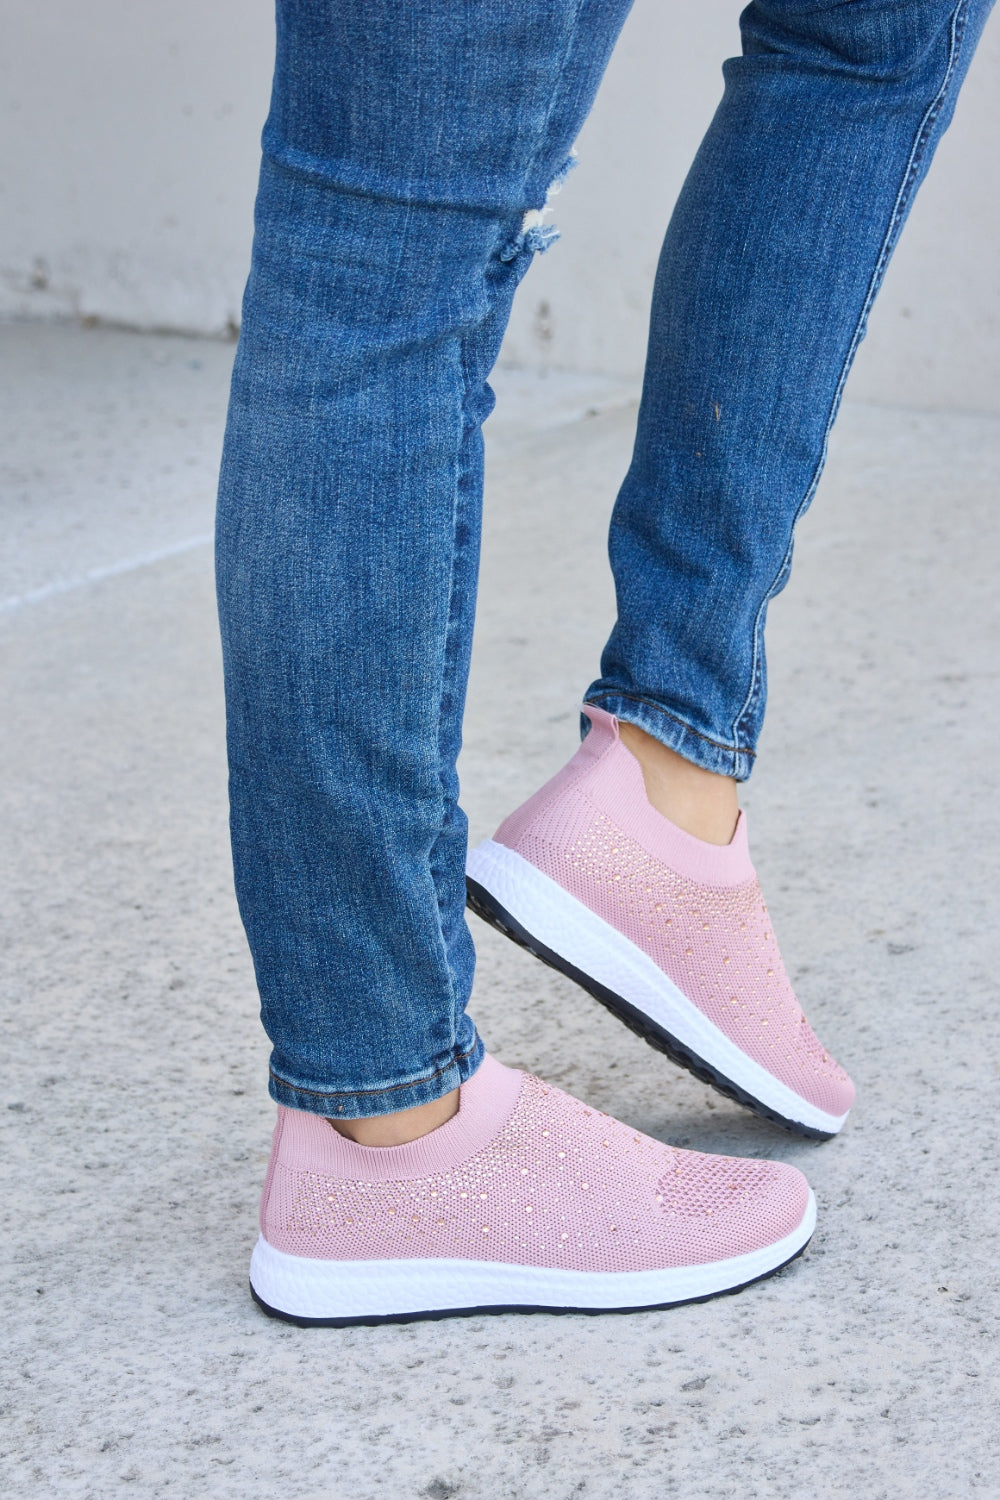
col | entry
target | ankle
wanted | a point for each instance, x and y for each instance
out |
(701, 802)
(402, 1126)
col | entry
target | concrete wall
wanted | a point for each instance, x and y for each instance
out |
(131, 137)
(126, 186)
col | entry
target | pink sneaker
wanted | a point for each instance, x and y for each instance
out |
(670, 933)
(525, 1200)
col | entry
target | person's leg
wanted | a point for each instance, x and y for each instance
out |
(774, 254)
(403, 149)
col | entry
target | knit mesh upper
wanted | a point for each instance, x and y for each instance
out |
(711, 936)
(716, 945)
(560, 1185)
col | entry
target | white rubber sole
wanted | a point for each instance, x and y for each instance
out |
(565, 932)
(303, 1290)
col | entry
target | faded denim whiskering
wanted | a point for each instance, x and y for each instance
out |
(407, 157)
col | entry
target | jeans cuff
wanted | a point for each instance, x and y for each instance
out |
(362, 1103)
(671, 730)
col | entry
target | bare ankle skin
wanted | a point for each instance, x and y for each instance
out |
(403, 1126)
(701, 802)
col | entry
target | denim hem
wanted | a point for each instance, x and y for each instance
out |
(671, 730)
(361, 1103)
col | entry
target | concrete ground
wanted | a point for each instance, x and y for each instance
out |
(134, 1108)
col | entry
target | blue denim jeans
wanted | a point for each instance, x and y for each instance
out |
(404, 147)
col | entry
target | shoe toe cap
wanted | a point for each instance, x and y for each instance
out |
(830, 1090)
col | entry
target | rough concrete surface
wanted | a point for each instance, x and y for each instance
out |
(134, 1110)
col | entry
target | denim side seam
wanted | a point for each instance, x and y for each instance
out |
(451, 657)
(499, 281)
(513, 251)
(897, 218)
